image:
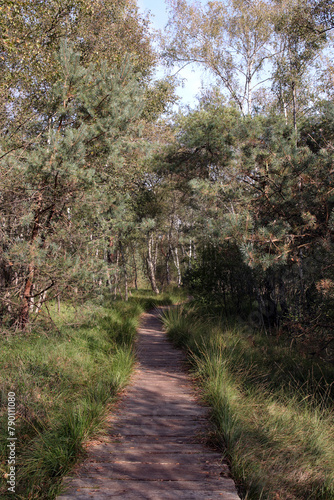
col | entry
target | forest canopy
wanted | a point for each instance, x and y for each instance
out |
(104, 185)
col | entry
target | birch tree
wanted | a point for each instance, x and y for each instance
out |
(298, 42)
(230, 40)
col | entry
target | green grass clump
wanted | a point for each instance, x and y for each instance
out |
(64, 378)
(271, 407)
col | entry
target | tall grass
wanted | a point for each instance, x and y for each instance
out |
(65, 378)
(271, 408)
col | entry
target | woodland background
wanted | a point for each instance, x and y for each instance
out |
(102, 186)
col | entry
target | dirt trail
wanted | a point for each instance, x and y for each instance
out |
(154, 446)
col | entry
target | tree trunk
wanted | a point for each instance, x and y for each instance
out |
(167, 268)
(32, 300)
(155, 256)
(42, 298)
(126, 288)
(150, 265)
(116, 275)
(135, 268)
(177, 265)
(294, 101)
(190, 254)
(284, 104)
(285, 110)
(248, 88)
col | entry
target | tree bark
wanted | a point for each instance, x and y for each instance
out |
(248, 86)
(294, 102)
(177, 265)
(40, 302)
(167, 268)
(126, 287)
(190, 254)
(135, 268)
(116, 275)
(150, 265)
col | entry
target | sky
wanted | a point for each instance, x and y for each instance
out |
(191, 75)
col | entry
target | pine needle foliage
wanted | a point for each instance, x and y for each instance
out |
(55, 182)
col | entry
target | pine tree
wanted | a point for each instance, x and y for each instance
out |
(74, 145)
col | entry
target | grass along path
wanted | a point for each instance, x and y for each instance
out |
(65, 376)
(272, 408)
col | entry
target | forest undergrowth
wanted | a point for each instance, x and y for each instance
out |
(66, 373)
(271, 407)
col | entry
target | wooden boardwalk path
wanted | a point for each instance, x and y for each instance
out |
(154, 447)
